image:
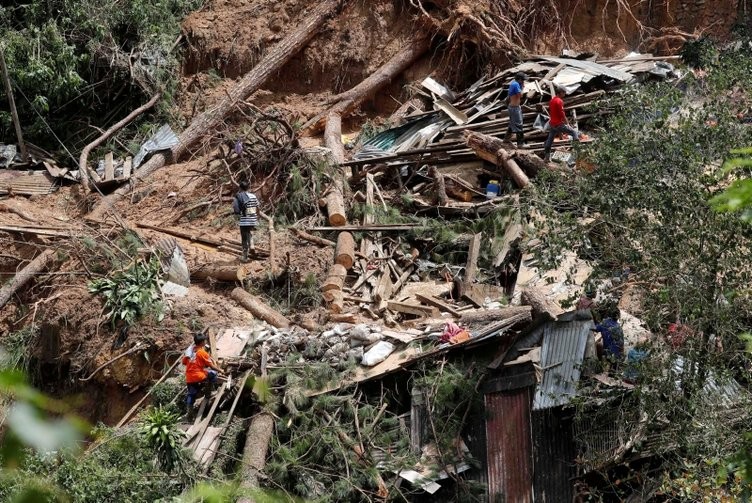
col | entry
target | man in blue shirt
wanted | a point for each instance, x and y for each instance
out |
(514, 98)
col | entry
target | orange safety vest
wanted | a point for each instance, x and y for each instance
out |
(196, 362)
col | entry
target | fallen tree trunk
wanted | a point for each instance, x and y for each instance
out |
(333, 137)
(83, 159)
(488, 315)
(335, 204)
(349, 100)
(254, 453)
(541, 305)
(220, 272)
(36, 266)
(344, 253)
(493, 150)
(259, 308)
(269, 65)
(335, 278)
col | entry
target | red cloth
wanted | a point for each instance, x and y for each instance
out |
(556, 112)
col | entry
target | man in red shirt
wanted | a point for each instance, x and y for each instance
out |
(199, 369)
(558, 122)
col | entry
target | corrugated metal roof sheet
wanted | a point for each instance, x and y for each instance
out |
(163, 139)
(561, 358)
(592, 68)
(509, 447)
(718, 390)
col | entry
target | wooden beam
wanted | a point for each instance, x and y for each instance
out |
(109, 167)
(433, 301)
(416, 309)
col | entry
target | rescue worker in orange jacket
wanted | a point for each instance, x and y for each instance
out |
(199, 368)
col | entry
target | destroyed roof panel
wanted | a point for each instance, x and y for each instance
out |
(592, 68)
(561, 358)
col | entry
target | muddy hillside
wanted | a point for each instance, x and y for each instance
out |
(405, 178)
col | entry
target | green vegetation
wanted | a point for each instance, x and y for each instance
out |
(76, 63)
(131, 293)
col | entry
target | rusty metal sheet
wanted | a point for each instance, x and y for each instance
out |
(27, 183)
(509, 447)
(554, 455)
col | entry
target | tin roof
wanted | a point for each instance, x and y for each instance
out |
(561, 358)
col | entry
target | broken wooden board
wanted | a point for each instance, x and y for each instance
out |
(393, 363)
(109, 167)
(207, 446)
(231, 342)
(127, 167)
(442, 306)
(416, 309)
(406, 336)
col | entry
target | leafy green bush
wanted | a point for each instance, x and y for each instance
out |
(159, 428)
(131, 293)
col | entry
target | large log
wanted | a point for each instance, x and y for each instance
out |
(493, 150)
(349, 100)
(344, 253)
(254, 453)
(335, 204)
(270, 64)
(259, 308)
(335, 278)
(220, 272)
(541, 305)
(333, 137)
(36, 266)
(488, 315)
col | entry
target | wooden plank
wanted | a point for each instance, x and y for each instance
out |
(109, 167)
(433, 301)
(207, 445)
(372, 227)
(399, 336)
(471, 268)
(127, 167)
(416, 309)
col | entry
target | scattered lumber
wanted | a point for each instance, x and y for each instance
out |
(495, 150)
(41, 231)
(311, 238)
(220, 272)
(83, 166)
(344, 253)
(349, 100)
(259, 308)
(490, 315)
(254, 453)
(269, 65)
(36, 266)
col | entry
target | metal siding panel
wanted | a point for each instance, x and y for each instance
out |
(553, 456)
(561, 358)
(509, 451)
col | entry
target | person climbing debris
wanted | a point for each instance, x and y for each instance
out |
(200, 369)
(514, 97)
(557, 122)
(612, 335)
(245, 206)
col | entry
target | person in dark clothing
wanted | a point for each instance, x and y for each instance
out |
(245, 206)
